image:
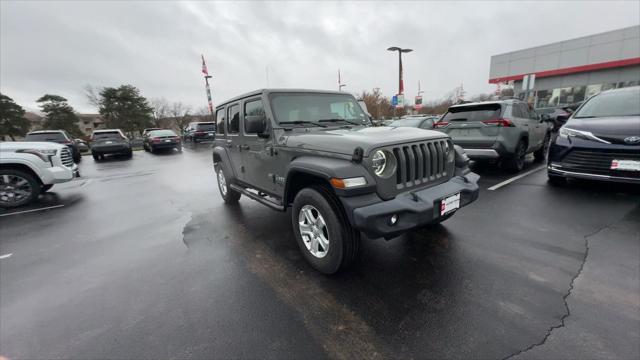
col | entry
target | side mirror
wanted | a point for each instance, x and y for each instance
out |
(545, 118)
(256, 124)
(562, 118)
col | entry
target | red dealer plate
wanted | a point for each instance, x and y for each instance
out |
(449, 204)
(626, 165)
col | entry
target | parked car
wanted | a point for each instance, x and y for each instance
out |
(30, 168)
(504, 131)
(315, 151)
(109, 142)
(57, 136)
(147, 130)
(422, 122)
(83, 147)
(197, 132)
(162, 139)
(600, 141)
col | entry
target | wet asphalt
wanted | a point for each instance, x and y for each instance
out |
(145, 261)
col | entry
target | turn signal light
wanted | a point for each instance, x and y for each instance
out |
(348, 183)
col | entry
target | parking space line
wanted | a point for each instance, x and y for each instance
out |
(5, 256)
(509, 181)
(32, 210)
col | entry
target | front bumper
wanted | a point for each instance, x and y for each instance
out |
(113, 149)
(58, 174)
(555, 170)
(416, 208)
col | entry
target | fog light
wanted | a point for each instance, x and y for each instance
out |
(393, 220)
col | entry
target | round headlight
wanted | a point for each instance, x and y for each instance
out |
(379, 162)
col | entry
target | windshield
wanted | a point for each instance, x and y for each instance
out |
(615, 103)
(407, 123)
(106, 135)
(205, 127)
(314, 108)
(52, 136)
(473, 113)
(162, 133)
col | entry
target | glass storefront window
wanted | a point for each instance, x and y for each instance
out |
(543, 97)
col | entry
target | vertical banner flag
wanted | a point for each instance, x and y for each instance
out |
(204, 67)
(418, 102)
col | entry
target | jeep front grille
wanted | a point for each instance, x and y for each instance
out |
(66, 158)
(423, 163)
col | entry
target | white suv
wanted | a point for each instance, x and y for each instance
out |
(30, 168)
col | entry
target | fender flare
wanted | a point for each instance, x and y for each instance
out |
(220, 156)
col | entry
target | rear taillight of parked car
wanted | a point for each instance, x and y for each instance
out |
(499, 122)
(440, 124)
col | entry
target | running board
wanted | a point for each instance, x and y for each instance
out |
(257, 198)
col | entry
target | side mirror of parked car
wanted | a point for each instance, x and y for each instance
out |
(256, 124)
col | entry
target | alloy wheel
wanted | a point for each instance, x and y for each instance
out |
(222, 182)
(314, 231)
(14, 188)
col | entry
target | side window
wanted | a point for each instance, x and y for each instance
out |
(220, 121)
(233, 119)
(252, 108)
(426, 124)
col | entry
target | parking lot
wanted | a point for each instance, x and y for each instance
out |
(141, 259)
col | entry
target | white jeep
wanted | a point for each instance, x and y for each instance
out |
(28, 169)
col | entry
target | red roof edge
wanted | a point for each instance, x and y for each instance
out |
(572, 70)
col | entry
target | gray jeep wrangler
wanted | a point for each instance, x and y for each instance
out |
(315, 151)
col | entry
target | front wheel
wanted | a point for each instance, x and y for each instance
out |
(229, 195)
(541, 153)
(17, 188)
(323, 233)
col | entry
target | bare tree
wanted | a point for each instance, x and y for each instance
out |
(93, 95)
(160, 112)
(180, 115)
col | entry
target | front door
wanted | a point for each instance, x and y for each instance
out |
(257, 152)
(234, 140)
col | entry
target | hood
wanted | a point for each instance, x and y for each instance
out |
(344, 141)
(19, 145)
(612, 129)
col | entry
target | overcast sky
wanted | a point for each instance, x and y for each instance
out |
(59, 47)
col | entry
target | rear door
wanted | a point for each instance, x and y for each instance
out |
(466, 127)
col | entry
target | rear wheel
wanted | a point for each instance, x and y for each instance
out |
(179, 148)
(515, 162)
(129, 154)
(17, 188)
(96, 157)
(229, 195)
(541, 153)
(323, 233)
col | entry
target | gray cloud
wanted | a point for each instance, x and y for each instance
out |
(58, 47)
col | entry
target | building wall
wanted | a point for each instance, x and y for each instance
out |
(609, 49)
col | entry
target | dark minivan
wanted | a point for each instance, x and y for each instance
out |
(57, 136)
(600, 141)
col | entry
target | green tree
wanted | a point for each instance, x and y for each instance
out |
(12, 121)
(125, 108)
(59, 115)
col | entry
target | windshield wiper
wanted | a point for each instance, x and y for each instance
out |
(302, 122)
(339, 120)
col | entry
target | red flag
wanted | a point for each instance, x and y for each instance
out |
(204, 66)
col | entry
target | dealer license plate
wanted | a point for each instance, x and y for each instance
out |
(168, 140)
(449, 204)
(627, 165)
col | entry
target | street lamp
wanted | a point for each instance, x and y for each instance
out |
(400, 51)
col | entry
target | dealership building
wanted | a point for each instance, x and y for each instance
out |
(570, 71)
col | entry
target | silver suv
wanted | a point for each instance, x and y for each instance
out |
(504, 131)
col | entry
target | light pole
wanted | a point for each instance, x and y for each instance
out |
(400, 51)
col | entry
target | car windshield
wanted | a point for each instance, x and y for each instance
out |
(51, 136)
(614, 103)
(107, 135)
(473, 113)
(162, 133)
(407, 123)
(205, 127)
(314, 108)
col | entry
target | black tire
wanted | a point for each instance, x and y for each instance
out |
(515, 163)
(144, 146)
(541, 153)
(151, 149)
(343, 240)
(45, 188)
(556, 180)
(32, 187)
(229, 195)
(129, 155)
(96, 157)
(179, 149)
